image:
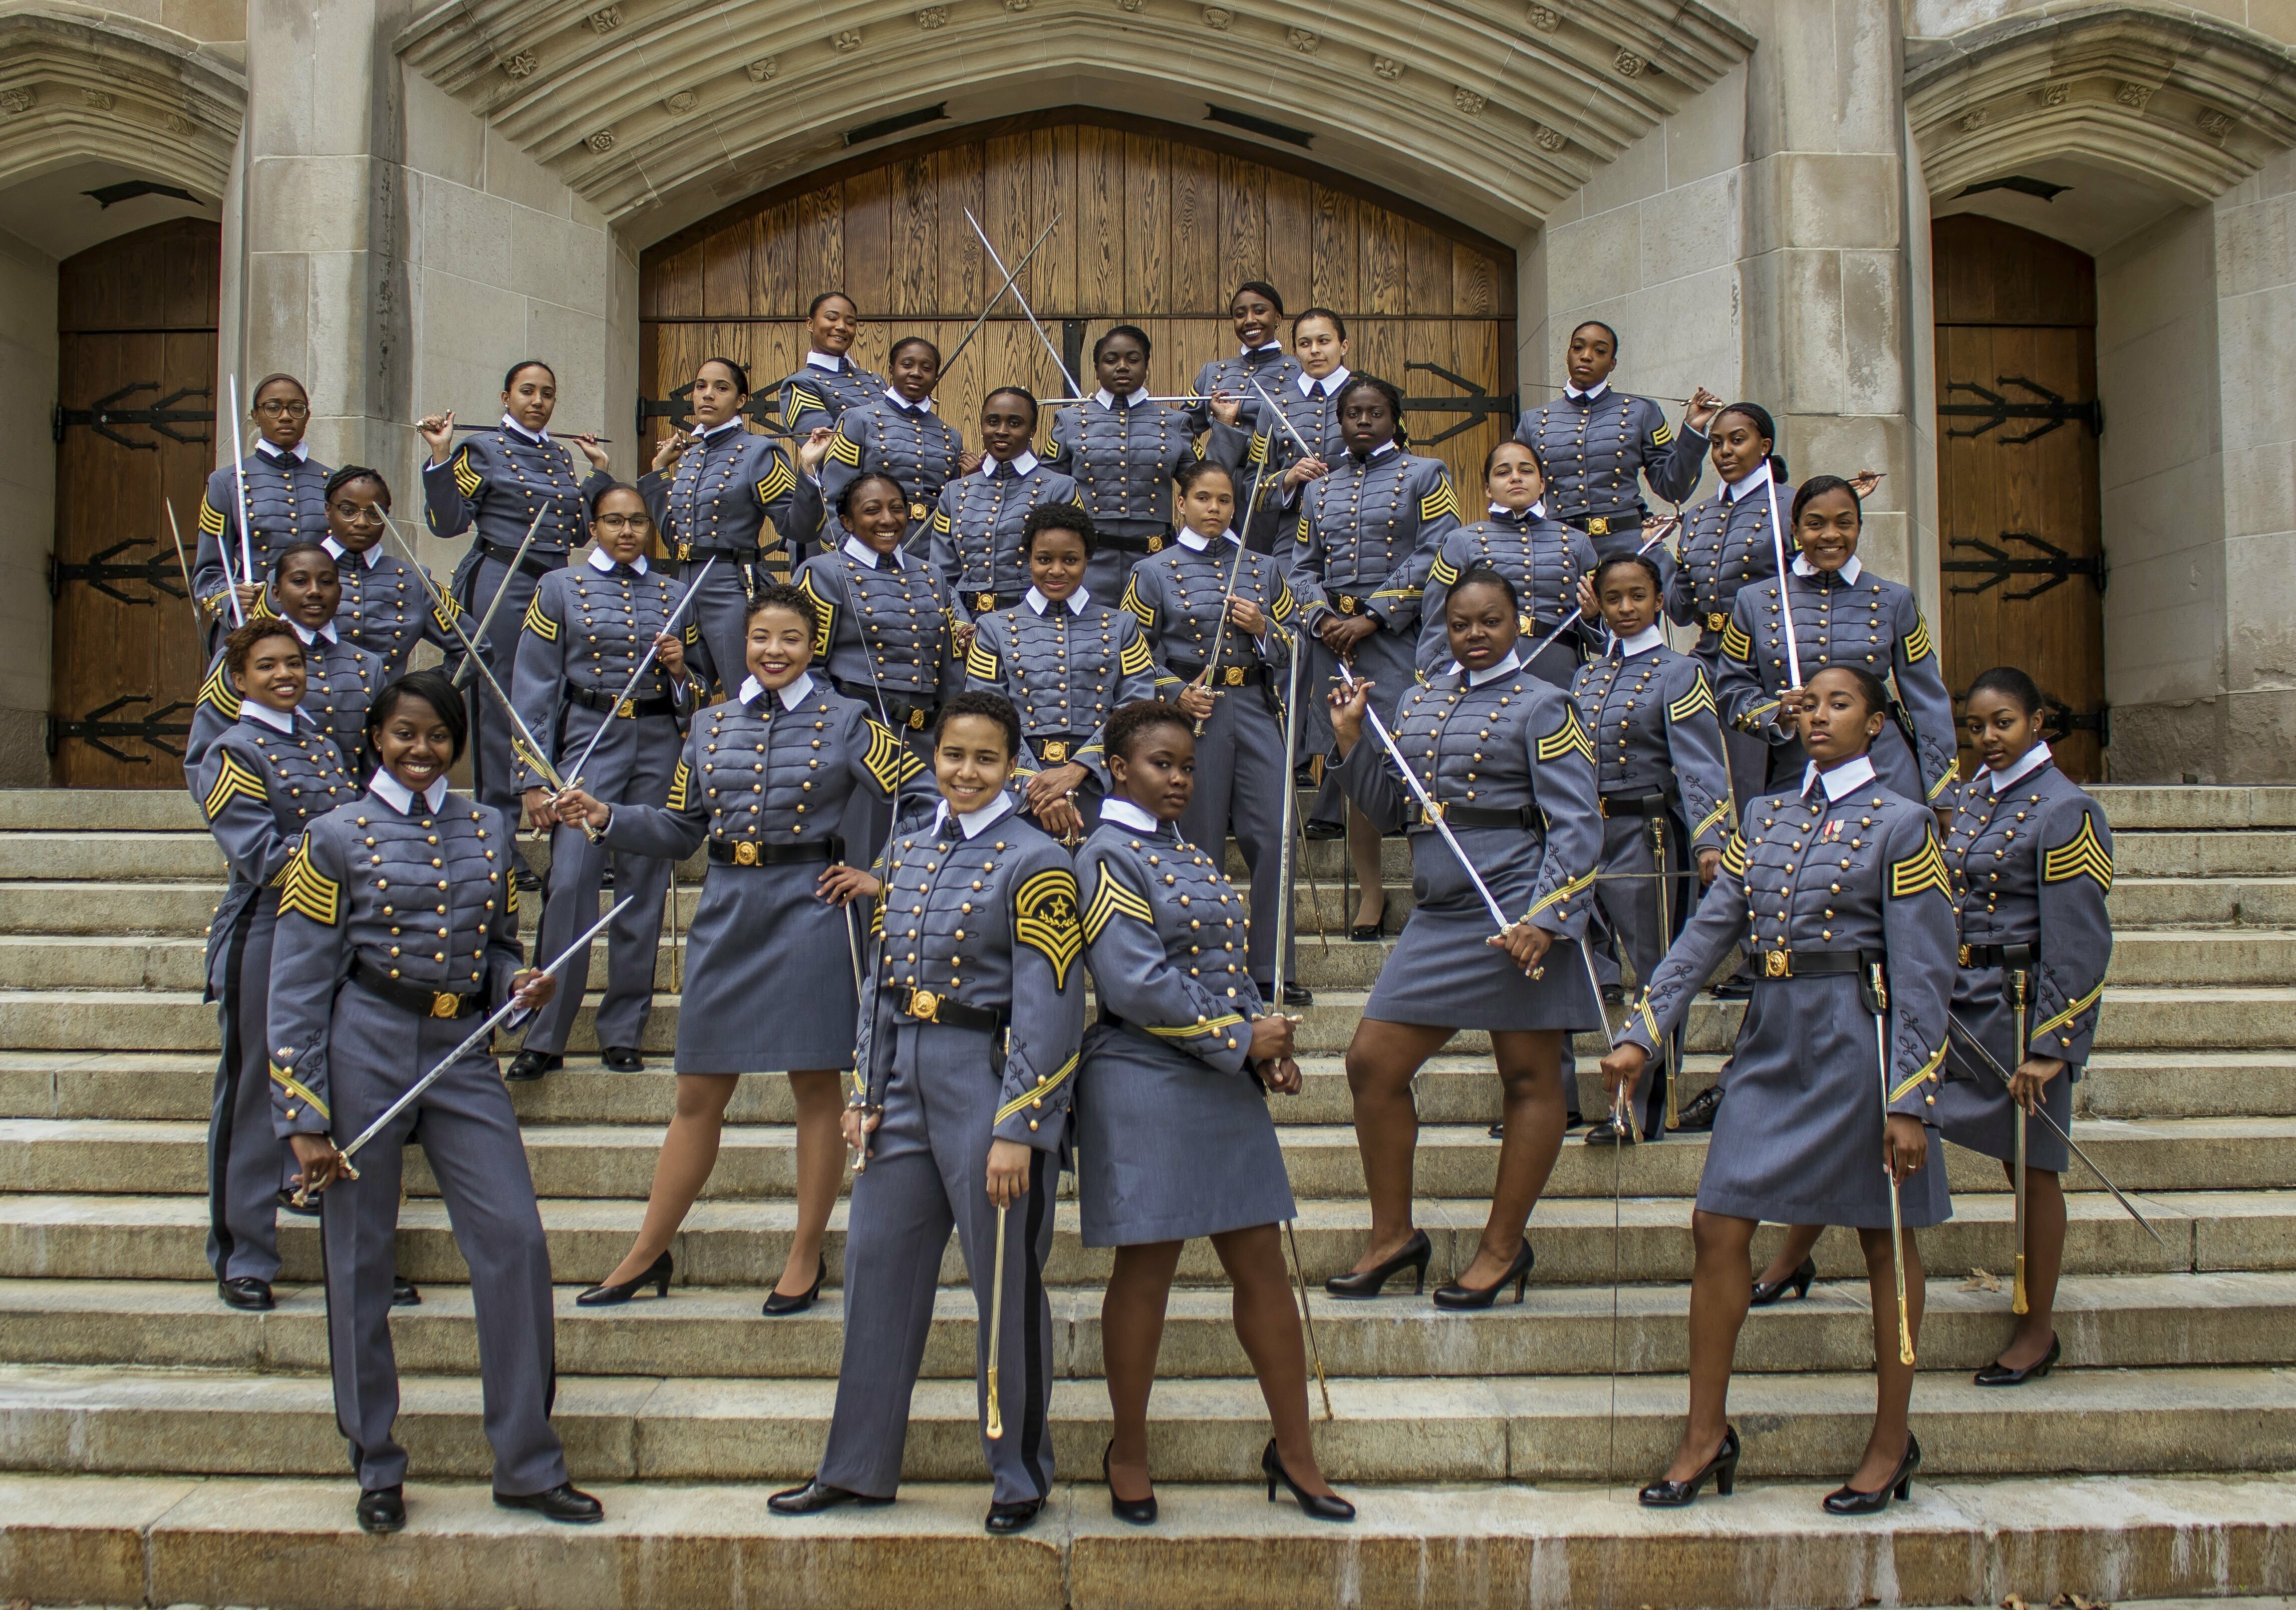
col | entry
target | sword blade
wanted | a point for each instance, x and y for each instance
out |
(1290, 429)
(574, 775)
(989, 307)
(1059, 363)
(495, 603)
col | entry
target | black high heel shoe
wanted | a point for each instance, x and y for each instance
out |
(1368, 934)
(1663, 1494)
(1997, 1374)
(1315, 1505)
(1848, 1501)
(1518, 1273)
(1767, 1292)
(1139, 1512)
(1415, 1256)
(776, 1304)
(602, 1295)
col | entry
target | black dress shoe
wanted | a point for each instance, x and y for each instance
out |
(1738, 986)
(1456, 1295)
(622, 1059)
(606, 875)
(1997, 1374)
(528, 880)
(1414, 1256)
(815, 1497)
(776, 1303)
(1848, 1500)
(1315, 1506)
(382, 1509)
(532, 1064)
(1325, 830)
(1298, 994)
(1608, 1133)
(656, 1274)
(246, 1293)
(565, 1502)
(403, 1294)
(1614, 995)
(1139, 1512)
(1698, 1112)
(308, 1208)
(1767, 1292)
(1663, 1494)
(1005, 1519)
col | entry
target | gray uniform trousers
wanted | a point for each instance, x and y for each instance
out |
(632, 766)
(1626, 899)
(470, 1137)
(494, 773)
(247, 1162)
(718, 612)
(929, 1170)
(1240, 774)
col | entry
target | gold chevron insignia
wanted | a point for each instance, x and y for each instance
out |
(307, 890)
(1259, 454)
(1921, 870)
(1737, 644)
(1132, 601)
(1734, 855)
(1441, 574)
(1045, 919)
(981, 660)
(824, 614)
(217, 691)
(844, 449)
(211, 520)
(466, 478)
(1302, 534)
(886, 757)
(1918, 646)
(541, 625)
(778, 482)
(941, 521)
(802, 400)
(1113, 899)
(2080, 855)
(678, 781)
(1569, 737)
(1136, 660)
(1663, 435)
(233, 779)
(1700, 697)
(1439, 502)
(1285, 603)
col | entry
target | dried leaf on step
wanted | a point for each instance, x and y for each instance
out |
(1981, 1281)
(2074, 1601)
(2015, 1601)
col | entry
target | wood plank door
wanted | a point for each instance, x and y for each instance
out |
(1157, 224)
(2020, 517)
(135, 431)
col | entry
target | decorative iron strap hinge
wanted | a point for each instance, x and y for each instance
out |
(152, 728)
(100, 572)
(1997, 410)
(1477, 404)
(1999, 564)
(763, 412)
(161, 418)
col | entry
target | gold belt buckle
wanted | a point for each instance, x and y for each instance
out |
(745, 853)
(918, 510)
(445, 1005)
(1598, 525)
(1055, 750)
(1716, 622)
(1429, 815)
(917, 719)
(924, 1004)
(627, 709)
(1347, 605)
(1234, 676)
(1965, 955)
(684, 552)
(985, 602)
(1155, 544)
(1777, 963)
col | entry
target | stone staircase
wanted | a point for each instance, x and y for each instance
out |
(158, 1447)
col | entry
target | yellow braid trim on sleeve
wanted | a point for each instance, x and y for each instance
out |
(1737, 644)
(1928, 1070)
(1918, 646)
(1044, 1089)
(467, 481)
(211, 520)
(1439, 502)
(844, 449)
(295, 1086)
(1442, 572)
(2070, 1012)
(1734, 855)
(824, 614)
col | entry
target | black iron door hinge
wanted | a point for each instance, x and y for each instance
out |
(161, 418)
(153, 728)
(1999, 564)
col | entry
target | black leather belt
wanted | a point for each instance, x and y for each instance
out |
(1057, 748)
(1812, 963)
(983, 603)
(914, 718)
(533, 564)
(591, 698)
(1232, 676)
(686, 551)
(1154, 542)
(2023, 957)
(1607, 525)
(927, 1007)
(748, 852)
(1642, 805)
(414, 998)
(1482, 816)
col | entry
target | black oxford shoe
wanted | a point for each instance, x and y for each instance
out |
(403, 1294)
(246, 1293)
(532, 1064)
(815, 1497)
(622, 1059)
(1005, 1519)
(564, 1502)
(382, 1509)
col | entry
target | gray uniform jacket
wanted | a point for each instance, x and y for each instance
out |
(286, 504)
(1368, 534)
(1179, 596)
(583, 634)
(975, 548)
(1271, 366)
(1723, 545)
(1122, 458)
(1871, 623)
(498, 480)
(885, 632)
(1255, 437)
(1597, 452)
(342, 679)
(387, 610)
(1652, 717)
(1544, 559)
(259, 788)
(913, 445)
(814, 395)
(720, 494)
(1066, 671)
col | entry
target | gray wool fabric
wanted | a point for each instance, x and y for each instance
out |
(1122, 457)
(286, 503)
(1598, 451)
(913, 445)
(340, 680)
(1544, 560)
(975, 542)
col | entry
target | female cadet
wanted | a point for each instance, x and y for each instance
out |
(1840, 615)
(285, 502)
(1242, 435)
(970, 1026)
(1257, 311)
(360, 1010)
(898, 434)
(260, 782)
(1225, 681)
(829, 382)
(501, 480)
(386, 608)
(1599, 445)
(1368, 534)
(1665, 788)
(711, 492)
(1176, 1135)
(1506, 760)
(585, 631)
(1542, 559)
(1856, 952)
(1121, 449)
(1067, 662)
(779, 782)
(340, 678)
(975, 548)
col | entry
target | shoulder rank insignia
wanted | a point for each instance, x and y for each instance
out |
(941, 521)
(1737, 644)
(1303, 534)
(541, 625)
(844, 449)
(1113, 899)
(445, 611)
(1734, 855)
(802, 401)
(1259, 454)
(778, 481)
(888, 759)
(824, 614)
(1924, 869)
(1135, 659)
(1045, 919)
(466, 478)
(2080, 855)
(1285, 604)
(1918, 646)
(1439, 502)
(211, 520)
(980, 659)
(310, 892)
(1569, 737)
(1700, 697)
(233, 779)
(679, 780)
(1133, 601)
(1442, 572)
(1663, 435)
(217, 691)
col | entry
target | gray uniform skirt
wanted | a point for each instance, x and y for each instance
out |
(1799, 1139)
(768, 983)
(1385, 658)
(1168, 1148)
(1973, 1108)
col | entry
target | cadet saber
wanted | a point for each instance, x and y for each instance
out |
(239, 478)
(1059, 363)
(230, 592)
(1786, 598)
(1077, 402)
(1889, 1164)
(2017, 1302)
(566, 435)
(1228, 597)
(997, 1328)
(463, 676)
(1574, 618)
(574, 773)
(1290, 429)
(1308, 1316)
(2001, 1073)
(1666, 929)
(989, 307)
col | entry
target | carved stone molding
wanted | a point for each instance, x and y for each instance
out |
(519, 66)
(75, 83)
(763, 69)
(1469, 101)
(1219, 17)
(605, 20)
(600, 142)
(1387, 67)
(845, 39)
(1546, 19)
(932, 17)
(1302, 39)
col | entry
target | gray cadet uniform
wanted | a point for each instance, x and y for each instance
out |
(1821, 885)
(397, 930)
(583, 634)
(1268, 364)
(342, 679)
(891, 436)
(1121, 455)
(1658, 756)
(975, 548)
(286, 504)
(1311, 406)
(779, 786)
(1727, 540)
(1066, 668)
(970, 1026)
(1544, 559)
(1179, 596)
(1598, 445)
(821, 391)
(260, 784)
(713, 504)
(2031, 860)
(387, 610)
(1176, 1136)
(1850, 616)
(498, 480)
(1507, 762)
(886, 634)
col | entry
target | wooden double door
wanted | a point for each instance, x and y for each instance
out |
(2020, 522)
(1156, 224)
(135, 433)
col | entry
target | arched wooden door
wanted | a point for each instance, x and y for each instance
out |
(1159, 222)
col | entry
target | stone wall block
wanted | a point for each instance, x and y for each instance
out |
(278, 319)
(2261, 600)
(1595, 260)
(1693, 229)
(1804, 199)
(468, 233)
(2259, 489)
(2157, 410)
(2253, 245)
(1872, 325)
(1795, 309)
(1680, 335)
(307, 204)
(282, 78)
(340, 311)
(442, 137)
(1843, 444)
(1637, 173)
(466, 334)
(1708, 136)
(341, 61)
(2257, 335)
(2259, 735)
(575, 343)
(516, 177)
(559, 262)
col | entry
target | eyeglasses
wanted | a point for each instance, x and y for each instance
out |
(360, 514)
(284, 410)
(623, 523)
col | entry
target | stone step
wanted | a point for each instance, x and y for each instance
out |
(2172, 807)
(746, 1243)
(2127, 1322)
(2253, 902)
(2205, 855)
(98, 810)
